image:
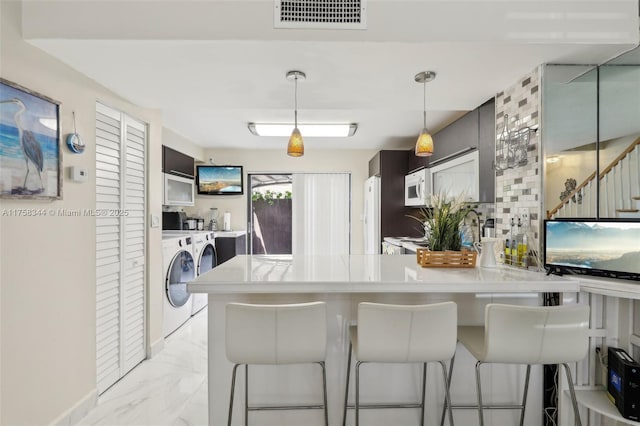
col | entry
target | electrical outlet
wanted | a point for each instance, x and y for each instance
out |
(525, 218)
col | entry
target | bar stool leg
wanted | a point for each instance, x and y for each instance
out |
(524, 395)
(424, 386)
(572, 392)
(479, 388)
(246, 395)
(324, 392)
(358, 393)
(233, 387)
(346, 388)
(447, 404)
(447, 395)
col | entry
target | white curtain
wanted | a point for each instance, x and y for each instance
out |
(321, 213)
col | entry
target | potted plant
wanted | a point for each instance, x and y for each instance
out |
(442, 222)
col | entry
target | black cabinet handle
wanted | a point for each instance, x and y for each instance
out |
(455, 154)
(181, 173)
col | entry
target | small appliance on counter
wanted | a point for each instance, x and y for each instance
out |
(190, 224)
(213, 219)
(488, 229)
(173, 220)
(200, 224)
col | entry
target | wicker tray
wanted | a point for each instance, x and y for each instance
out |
(446, 259)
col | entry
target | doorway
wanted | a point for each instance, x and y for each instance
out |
(299, 213)
(270, 213)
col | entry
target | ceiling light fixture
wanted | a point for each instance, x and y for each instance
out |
(295, 148)
(318, 130)
(424, 144)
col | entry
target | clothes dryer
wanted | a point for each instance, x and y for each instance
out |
(179, 269)
(205, 257)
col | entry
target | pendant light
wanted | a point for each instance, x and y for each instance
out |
(424, 144)
(295, 148)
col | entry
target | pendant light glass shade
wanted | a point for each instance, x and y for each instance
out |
(295, 148)
(424, 144)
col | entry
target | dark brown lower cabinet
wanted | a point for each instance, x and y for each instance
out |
(228, 247)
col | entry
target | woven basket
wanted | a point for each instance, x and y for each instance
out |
(446, 259)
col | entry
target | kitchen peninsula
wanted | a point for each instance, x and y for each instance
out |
(343, 282)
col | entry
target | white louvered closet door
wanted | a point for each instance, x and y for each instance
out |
(120, 244)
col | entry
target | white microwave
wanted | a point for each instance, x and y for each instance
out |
(417, 188)
(178, 191)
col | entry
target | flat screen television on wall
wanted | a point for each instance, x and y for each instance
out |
(220, 180)
(606, 248)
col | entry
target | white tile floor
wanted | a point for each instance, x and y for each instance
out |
(169, 389)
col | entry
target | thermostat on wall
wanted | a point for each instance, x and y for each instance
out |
(78, 174)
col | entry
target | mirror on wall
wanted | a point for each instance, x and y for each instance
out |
(619, 89)
(591, 129)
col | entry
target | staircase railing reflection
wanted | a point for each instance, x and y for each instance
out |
(616, 189)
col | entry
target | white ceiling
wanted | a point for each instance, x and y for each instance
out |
(213, 66)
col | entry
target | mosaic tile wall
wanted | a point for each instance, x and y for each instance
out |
(520, 187)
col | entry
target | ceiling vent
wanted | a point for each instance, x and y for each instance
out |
(321, 14)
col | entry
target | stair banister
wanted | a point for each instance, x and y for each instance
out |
(603, 174)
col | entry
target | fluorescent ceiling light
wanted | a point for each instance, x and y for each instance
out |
(308, 130)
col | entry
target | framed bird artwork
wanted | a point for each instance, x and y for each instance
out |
(30, 156)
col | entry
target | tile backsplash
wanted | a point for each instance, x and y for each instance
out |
(521, 187)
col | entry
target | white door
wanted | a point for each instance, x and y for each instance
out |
(321, 213)
(120, 244)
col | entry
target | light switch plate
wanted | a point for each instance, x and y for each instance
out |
(78, 174)
(155, 220)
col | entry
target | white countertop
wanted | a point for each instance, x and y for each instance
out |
(613, 287)
(228, 234)
(408, 243)
(364, 274)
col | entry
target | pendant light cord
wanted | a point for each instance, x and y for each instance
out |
(295, 103)
(424, 103)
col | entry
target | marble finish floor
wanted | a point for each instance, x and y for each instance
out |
(169, 389)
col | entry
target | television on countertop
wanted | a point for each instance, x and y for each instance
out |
(220, 180)
(606, 247)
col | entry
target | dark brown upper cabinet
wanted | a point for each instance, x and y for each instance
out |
(457, 138)
(176, 163)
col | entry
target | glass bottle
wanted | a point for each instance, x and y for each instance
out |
(519, 244)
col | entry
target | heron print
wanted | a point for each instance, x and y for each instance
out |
(29, 144)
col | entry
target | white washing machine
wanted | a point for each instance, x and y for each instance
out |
(205, 258)
(178, 268)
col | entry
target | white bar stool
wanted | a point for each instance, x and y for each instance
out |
(273, 335)
(402, 334)
(526, 335)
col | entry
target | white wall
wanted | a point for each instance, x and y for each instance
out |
(354, 161)
(182, 144)
(47, 263)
